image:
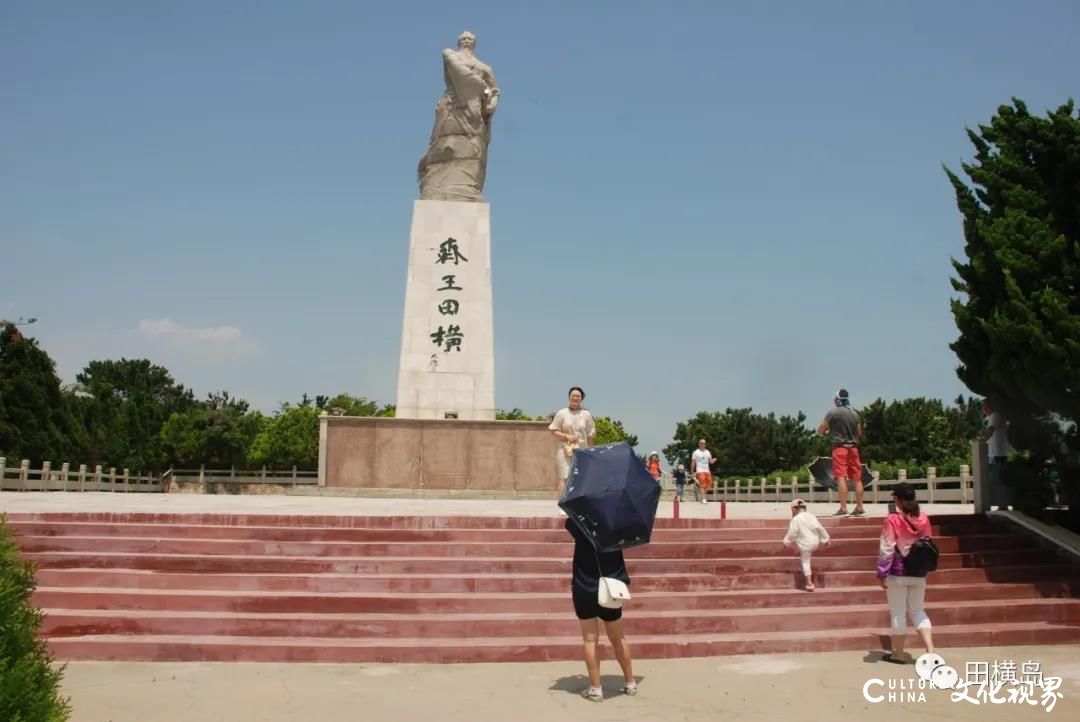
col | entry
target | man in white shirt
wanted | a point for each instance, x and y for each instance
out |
(996, 437)
(701, 462)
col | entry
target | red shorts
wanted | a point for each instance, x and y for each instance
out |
(846, 463)
(704, 480)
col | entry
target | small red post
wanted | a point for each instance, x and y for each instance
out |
(723, 510)
(676, 507)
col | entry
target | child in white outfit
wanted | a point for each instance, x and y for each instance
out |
(805, 533)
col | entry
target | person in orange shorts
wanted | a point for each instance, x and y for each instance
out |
(844, 429)
(701, 462)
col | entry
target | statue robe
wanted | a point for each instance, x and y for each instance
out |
(455, 164)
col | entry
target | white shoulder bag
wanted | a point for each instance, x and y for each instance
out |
(612, 592)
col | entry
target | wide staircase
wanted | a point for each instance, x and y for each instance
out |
(494, 589)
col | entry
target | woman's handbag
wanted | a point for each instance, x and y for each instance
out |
(611, 592)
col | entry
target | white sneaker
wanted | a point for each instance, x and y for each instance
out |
(704, 501)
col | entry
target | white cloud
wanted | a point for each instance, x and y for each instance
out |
(221, 342)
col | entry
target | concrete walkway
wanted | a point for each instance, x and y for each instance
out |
(801, 687)
(14, 502)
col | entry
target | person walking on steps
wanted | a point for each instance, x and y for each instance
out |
(807, 535)
(844, 428)
(905, 555)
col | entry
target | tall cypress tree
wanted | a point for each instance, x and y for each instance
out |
(1019, 316)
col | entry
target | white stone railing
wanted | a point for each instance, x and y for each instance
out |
(931, 490)
(64, 478)
(67, 478)
(232, 475)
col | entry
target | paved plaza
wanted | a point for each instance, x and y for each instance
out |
(769, 687)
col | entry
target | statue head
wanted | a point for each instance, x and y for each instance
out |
(466, 41)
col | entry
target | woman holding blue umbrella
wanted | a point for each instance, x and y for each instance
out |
(589, 566)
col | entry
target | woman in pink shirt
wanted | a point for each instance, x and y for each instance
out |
(906, 593)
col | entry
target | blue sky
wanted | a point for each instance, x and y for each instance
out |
(695, 205)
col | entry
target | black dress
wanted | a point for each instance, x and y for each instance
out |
(585, 583)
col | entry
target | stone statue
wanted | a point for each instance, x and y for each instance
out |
(455, 164)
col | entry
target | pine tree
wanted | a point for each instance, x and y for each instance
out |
(1019, 316)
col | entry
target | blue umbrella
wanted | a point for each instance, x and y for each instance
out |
(611, 497)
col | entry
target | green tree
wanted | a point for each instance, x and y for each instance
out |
(1018, 315)
(29, 683)
(966, 420)
(36, 418)
(217, 432)
(514, 414)
(290, 438)
(919, 430)
(348, 405)
(126, 404)
(744, 443)
(610, 431)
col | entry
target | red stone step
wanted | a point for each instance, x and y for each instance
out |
(516, 583)
(344, 534)
(507, 648)
(67, 623)
(656, 550)
(960, 522)
(454, 588)
(387, 602)
(478, 565)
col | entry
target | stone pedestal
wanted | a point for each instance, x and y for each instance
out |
(447, 366)
(403, 457)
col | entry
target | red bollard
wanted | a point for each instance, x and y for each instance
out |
(676, 507)
(723, 510)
